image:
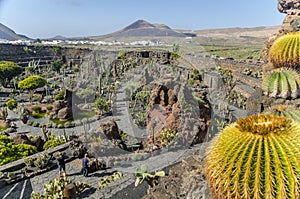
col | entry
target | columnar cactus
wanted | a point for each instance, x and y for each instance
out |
(284, 110)
(285, 52)
(256, 157)
(282, 83)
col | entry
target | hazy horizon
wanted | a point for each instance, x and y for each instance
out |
(78, 18)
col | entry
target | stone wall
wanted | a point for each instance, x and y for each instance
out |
(23, 54)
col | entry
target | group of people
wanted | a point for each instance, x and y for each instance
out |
(62, 165)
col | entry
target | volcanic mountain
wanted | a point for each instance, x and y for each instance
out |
(8, 34)
(142, 28)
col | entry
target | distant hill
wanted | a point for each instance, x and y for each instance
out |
(233, 36)
(142, 28)
(8, 34)
(59, 37)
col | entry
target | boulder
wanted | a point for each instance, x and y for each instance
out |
(57, 105)
(111, 130)
(62, 109)
(172, 98)
(65, 114)
(290, 7)
(39, 143)
(21, 139)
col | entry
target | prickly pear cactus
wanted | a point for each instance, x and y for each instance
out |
(284, 110)
(256, 157)
(282, 83)
(285, 52)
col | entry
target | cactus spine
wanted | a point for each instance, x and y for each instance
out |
(283, 83)
(256, 157)
(285, 52)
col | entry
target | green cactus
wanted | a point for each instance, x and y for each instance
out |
(284, 110)
(285, 51)
(256, 157)
(283, 83)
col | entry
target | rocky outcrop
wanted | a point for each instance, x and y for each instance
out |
(165, 107)
(21, 139)
(110, 130)
(62, 109)
(290, 7)
(185, 180)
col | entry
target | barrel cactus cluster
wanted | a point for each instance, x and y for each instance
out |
(282, 83)
(285, 52)
(256, 157)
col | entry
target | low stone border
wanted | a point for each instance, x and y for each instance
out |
(62, 126)
(19, 164)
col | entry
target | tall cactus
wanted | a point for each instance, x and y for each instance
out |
(256, 157)
(283, 83)
(284, 110)
(285, 52)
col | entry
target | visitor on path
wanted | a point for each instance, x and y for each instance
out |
(61, 165)
(85, 169)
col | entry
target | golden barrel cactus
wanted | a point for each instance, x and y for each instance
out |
(282, 83)
(256, 157)
(285, 51)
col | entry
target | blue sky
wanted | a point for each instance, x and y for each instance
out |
(48, 18)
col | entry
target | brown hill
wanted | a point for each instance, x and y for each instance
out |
(142, 28)
(233, 36)
(8, 34)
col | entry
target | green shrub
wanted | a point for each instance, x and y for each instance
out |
(285, 51)
(76, 69)
(49, 107)
(67, 125)
(175, 55)
(9, 151)
(141, 119)
(60, 95)
(11, 104)
(37, 109)
(32, 82)
(167, 136)
(60, 126)
(255, 157)
(52, 143)
(104, 181)
(101, 104)
(191, 82)
(121, 55)
(29, 161)
(41, 161)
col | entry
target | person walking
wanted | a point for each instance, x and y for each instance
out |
(61, 164)
(85, 169)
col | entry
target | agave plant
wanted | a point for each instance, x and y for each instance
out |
(256, 157)
(285, 51)
(284, 110)
(283, 83)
